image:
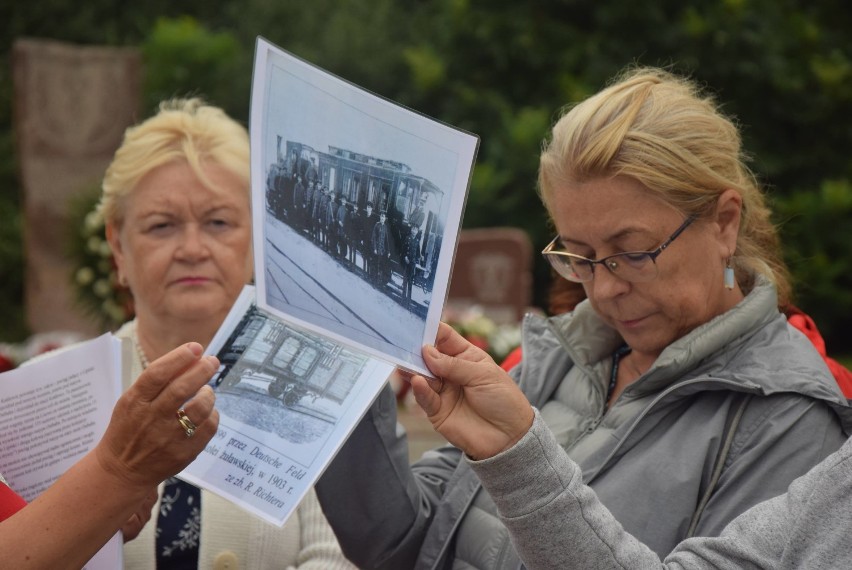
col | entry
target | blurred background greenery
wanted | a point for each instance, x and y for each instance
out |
(503, 69)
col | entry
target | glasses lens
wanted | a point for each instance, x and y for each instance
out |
(571, 269)
(633, 266)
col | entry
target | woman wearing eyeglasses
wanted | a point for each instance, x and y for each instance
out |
(677, 387)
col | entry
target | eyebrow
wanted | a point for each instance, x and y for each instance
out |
(155, 212)
(218, 208)
(613, 238)
(210, 209)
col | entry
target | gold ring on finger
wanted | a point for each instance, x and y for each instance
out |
(186, 423)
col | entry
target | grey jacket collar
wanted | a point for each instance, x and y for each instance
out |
(707, 353)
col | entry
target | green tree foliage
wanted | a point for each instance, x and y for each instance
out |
(819, 225)
(782, 69)
(11, 271)
(504, 70)
(183, 58)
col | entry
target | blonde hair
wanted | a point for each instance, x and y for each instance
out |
(182, 129)
(660, 130)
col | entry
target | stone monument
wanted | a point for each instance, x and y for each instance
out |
(71, 106)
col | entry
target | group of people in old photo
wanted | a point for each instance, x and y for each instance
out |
(375, 241)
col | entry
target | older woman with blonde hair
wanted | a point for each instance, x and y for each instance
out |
(177, 210)
(677, 386)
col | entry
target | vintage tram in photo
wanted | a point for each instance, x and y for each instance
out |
(290, 364)
(390, 186)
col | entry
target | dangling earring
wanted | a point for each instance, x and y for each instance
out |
(729, 275)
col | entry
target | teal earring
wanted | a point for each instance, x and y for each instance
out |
(729, 275)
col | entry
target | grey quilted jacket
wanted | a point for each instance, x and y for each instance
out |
(727, 417)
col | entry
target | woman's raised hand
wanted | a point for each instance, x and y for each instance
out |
(145, 442)
(472, 401)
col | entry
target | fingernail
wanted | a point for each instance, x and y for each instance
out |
(196, 348)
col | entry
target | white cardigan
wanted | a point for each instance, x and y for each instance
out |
(233, 539)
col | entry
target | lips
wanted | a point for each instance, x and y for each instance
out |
(191, 280)
(630, 323)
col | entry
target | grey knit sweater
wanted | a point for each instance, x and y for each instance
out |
(558, 522)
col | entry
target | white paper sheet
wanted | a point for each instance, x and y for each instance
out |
(52, 413)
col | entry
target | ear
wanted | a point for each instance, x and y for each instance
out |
(112, 236)
(729, 208)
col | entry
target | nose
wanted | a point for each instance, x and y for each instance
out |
(607, 285)
(193, 246)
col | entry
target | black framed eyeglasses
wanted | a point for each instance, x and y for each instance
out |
(633, 266)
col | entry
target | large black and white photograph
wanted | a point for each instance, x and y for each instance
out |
(359, 201)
